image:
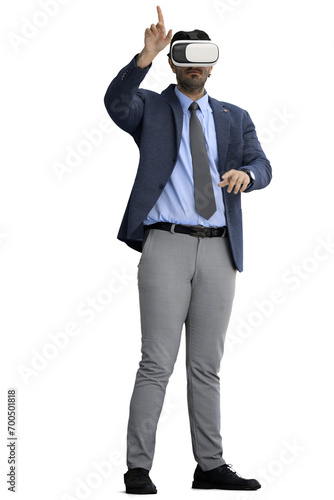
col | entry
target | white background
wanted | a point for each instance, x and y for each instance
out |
(58, 249)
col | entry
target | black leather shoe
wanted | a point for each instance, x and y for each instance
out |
(222, 478)
(138, 482)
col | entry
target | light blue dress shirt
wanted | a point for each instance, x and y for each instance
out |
(176, 203)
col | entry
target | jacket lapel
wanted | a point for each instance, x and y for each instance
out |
(169, 95)
(221, 115)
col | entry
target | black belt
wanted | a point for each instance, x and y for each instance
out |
(199, 231)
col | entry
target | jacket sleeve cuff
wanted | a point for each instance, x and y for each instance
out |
(143, 69)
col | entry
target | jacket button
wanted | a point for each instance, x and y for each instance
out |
(161, 186)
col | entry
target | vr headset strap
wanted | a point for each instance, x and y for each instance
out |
(192, 35)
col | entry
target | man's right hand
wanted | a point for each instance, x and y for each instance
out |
(155, 41)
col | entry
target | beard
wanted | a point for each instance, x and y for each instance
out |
(192, 82)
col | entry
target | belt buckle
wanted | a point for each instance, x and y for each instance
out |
(198, 231)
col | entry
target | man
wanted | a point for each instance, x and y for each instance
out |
(191, 244)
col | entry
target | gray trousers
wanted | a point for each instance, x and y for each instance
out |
(188, 280)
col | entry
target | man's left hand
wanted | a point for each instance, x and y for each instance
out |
(237, 179)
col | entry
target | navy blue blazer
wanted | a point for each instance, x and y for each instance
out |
(155, 123)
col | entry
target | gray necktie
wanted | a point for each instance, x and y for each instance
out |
(204, 196)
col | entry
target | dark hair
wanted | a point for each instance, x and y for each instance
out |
(188, 35)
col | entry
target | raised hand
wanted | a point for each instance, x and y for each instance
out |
(155, 41)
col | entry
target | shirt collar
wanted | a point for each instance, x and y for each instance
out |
(185, 101)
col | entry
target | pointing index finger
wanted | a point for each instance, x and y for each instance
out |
(160, 16)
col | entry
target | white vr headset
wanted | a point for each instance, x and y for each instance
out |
(200, 53)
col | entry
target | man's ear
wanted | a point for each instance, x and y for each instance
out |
(171, 65)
